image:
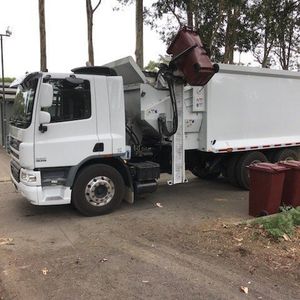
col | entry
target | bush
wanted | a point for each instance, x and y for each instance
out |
(283, 223)
(295, 212)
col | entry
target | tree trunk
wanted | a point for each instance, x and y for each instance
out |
(139, 22)
(230, 35)
(189, 13)
(43, 54)
(89, 14)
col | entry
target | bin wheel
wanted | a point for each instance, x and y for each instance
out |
(231, 169)
(285, 154)
(98, 190)
(263, 213)
(244, 161)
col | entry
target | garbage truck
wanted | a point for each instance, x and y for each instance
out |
(99, 135)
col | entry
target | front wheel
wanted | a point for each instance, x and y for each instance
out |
(98, 190)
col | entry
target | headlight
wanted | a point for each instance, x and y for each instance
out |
(27, 177)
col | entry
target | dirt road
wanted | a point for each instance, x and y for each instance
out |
(139, 252)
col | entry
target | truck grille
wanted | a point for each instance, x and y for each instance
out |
(14, 154)
(14, 143)
(15, 170)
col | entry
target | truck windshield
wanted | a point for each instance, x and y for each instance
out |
(23, 104)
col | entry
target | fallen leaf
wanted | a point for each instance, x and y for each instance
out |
(286, 237)
(208, 230)
(221, 199)
(252, 269)
(244, 289)
(6, 241)
(238, 239)
(158, 205)
(45, 271)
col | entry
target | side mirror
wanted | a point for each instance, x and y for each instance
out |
(46, 95)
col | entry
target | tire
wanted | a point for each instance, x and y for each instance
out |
(231, 169)
(244, 161)
(284, 154)
(98, 189)
(224, 172)
(204, 174)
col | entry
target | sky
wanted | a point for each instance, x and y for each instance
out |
(66, 33)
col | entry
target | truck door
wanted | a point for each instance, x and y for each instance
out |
(71, 134)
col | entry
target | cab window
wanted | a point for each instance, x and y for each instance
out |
(70, 101)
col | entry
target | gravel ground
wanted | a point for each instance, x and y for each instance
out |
(186, 249)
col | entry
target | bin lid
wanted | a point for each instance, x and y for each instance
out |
(268, 167)
(291, 164)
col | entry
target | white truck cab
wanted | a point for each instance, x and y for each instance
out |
(61, 122)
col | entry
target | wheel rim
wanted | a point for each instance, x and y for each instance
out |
(99, 191)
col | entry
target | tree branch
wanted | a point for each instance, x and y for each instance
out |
(94, 9)
(174, 13)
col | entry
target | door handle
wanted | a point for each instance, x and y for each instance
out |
(43, 128)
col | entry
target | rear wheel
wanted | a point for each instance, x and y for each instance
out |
(244, 161)
(98, 189)
(285, 154)
(231, 169)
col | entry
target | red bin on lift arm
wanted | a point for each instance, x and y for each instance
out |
(189, 56)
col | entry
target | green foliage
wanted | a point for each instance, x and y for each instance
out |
(269, 29)
(288, 36)
(153, 66)
(7, 79)
(262, 15)
(284, 223)
(279, 225)
(295, 212)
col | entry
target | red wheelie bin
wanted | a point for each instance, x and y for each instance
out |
(190, 57)
(291, 188)
(266, 186)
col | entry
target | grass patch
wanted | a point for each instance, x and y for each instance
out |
(283, 223)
